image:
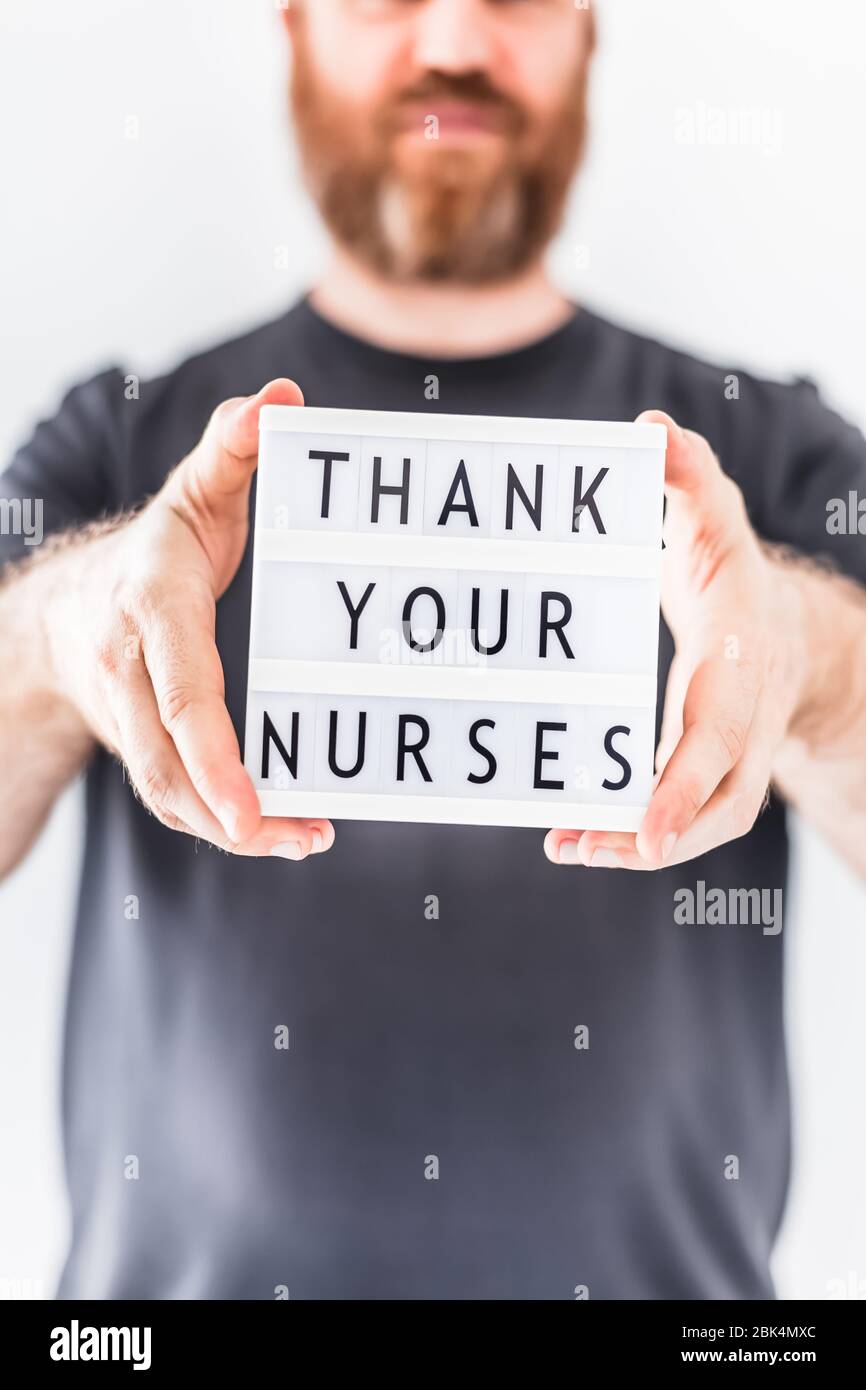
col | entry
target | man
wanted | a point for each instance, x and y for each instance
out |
(558, 1088)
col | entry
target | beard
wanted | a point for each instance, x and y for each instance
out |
(428, 213)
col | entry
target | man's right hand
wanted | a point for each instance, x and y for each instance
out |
(130, 639)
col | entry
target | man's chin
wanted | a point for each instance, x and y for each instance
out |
(448, 232)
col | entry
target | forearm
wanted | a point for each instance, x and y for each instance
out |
(821, 766)
(44, 740)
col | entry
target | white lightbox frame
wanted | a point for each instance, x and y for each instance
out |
(518, 556)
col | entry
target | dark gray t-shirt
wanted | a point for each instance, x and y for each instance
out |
(605, 1166)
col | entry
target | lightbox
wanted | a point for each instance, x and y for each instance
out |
(454, 618)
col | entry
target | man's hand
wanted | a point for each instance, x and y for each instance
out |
(130, 638)
(736, 678)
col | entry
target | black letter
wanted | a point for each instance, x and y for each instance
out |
(328, 457)
(332, 745)
(617, 757)
(587, 500)
(355, 613)
(487, 776)
(414, 748)
(541, 756)
(460, 480)
(533, 508)
(269, 733)
(440, 620)
(379, 490)
(503, 623)
(557, 626)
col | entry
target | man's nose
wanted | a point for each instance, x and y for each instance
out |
(454, 35)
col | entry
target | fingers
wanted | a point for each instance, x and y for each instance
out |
(699, 492)
(562, 846)
(672, 715)
(214, 479)
(232, 435)
(161, 684)
(179, 651)
(740, 797)
(184, 667)
(164, 785)
(162, 687)
(728, 812)
(594, 849)
(712, 765)
(718, 712)
(284, 838)
(690, 464)
(153, 763)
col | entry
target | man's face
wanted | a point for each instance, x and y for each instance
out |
(439, 137)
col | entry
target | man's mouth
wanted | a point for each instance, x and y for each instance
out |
(443, 118)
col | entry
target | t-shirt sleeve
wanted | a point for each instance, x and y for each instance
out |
(64, 475)
(812, 475)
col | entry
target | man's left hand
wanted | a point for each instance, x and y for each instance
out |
(735, 680)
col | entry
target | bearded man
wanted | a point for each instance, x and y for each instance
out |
(433, 1129)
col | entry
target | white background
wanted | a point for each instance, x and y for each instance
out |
(140, 250)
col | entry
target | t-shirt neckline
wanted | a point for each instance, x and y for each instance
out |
(339, 339)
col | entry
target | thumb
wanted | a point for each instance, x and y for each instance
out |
(697, 487)
(215, 478)
(685, 463)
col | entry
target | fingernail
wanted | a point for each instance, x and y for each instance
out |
(229, 820)
(316, 841)
(290, 849)
(668, 844)
(569, 852)
(605, 859)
